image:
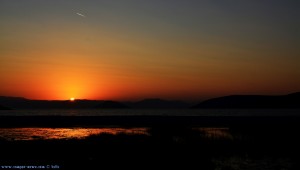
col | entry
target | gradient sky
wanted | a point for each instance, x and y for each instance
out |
(134, 49)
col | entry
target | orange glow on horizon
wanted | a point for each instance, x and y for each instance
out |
(111, 54)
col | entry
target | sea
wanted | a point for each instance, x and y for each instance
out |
(40, 133)
(152, 112)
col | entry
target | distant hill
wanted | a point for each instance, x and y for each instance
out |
(252, 101)
(158, 104)
(111, 105)
(233, 101)
(23, 103)
(11, 102)
(7, 98)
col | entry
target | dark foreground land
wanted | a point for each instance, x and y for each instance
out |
(180, 142)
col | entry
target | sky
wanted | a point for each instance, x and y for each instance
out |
(135, 49)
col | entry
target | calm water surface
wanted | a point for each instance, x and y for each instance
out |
(81, 133)
(64, 133)
(12, 134)
(162, 112)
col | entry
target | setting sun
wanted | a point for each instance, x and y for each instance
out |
(202, 54)
(72, 99)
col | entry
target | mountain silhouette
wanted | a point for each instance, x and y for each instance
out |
(23, 103)
(108, 104)
(233, 101)
(12, 102)
(252, 101)
(156, 103)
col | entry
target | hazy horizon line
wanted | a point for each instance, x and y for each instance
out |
(152, 98)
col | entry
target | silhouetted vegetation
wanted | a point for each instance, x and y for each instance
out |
(182, 142)
(188, 147)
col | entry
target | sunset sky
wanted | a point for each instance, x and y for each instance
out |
(135, 49)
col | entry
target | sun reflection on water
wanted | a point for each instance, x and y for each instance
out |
(215, 132)
(64, 133)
